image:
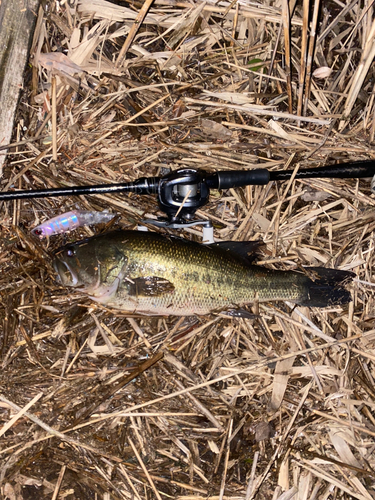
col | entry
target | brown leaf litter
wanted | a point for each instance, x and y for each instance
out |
(96, 404)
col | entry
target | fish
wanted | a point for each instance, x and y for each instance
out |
(147, 273)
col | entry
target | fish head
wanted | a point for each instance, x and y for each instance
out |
(93, 265)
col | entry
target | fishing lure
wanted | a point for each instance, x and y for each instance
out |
(69, 221)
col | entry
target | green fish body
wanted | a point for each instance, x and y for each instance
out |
(147, 273)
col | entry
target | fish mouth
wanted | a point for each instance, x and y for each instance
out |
(65, 275)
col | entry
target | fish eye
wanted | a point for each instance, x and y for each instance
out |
(70, 252)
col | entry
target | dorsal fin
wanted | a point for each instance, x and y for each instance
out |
(246, 250)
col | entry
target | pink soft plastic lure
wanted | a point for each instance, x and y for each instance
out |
(69, 221)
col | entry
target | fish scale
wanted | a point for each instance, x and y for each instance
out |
(145, 272)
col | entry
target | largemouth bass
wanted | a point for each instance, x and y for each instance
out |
(147, 273)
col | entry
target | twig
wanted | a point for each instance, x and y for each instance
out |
(141, 463)
(54, 118)
(310, 55)
(288, 68)
(133, 31)
(302, 72)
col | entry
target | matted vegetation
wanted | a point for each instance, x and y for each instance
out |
(96, 404)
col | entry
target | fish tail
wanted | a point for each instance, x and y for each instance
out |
(326, 287)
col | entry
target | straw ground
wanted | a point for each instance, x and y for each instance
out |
(98, 404)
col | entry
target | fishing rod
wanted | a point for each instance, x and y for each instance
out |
(181, 192)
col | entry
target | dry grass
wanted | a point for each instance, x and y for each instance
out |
(278, 407)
